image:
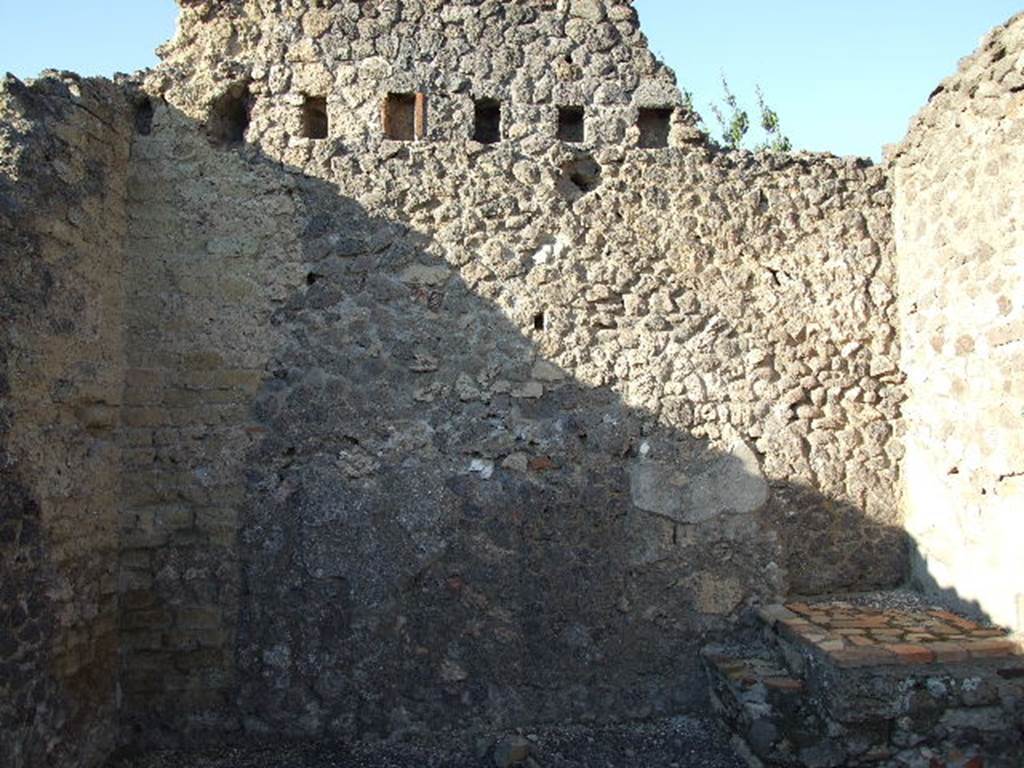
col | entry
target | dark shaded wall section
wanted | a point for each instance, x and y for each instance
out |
(64, 151)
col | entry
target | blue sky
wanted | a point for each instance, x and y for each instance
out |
(844, 75)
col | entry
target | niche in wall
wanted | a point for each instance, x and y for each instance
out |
(571, 124)
(654, 125)
(580, 176)
(229, 115)
(487, 121)
(405, 116)
(144, 116)
(315, 124)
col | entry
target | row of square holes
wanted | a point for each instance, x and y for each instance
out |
(405, 119)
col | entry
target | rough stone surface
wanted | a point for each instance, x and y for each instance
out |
(685, 742)
(418, 428)
(511, 750)
(961, 260)
(313, 431)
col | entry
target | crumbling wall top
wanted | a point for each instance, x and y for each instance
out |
(529, 59)
(984, 84)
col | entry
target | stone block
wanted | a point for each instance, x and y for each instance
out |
(198, 617)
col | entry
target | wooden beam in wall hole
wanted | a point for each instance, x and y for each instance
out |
(421, 116)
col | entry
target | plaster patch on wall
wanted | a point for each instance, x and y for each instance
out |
(730, 482)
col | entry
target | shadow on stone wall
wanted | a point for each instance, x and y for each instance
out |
(443, 529)
(58, 655)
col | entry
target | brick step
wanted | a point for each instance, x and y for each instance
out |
(764, 705)
(888, 685)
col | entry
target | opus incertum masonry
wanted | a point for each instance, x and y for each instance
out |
(375, 368)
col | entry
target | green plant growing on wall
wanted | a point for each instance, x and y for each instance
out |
(734, 122)
(774, 141)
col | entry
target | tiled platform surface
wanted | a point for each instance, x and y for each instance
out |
(853, 635)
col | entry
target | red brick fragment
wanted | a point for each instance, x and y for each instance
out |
(887, 634)
(784, 683)
(985, 649)
(989, 633)
(952, 618)
(949, 653)
(863, 622)
(867, 656)
(801, 608)
(541, 464)
(907, 653)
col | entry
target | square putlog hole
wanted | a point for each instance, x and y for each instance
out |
(144, 117)
(571, 124)
(229, 116)
(487, 121)
(654, 125)
(400, 116)
(314, 118)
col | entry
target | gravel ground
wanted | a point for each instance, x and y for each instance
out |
(908, 600)
(681, 742)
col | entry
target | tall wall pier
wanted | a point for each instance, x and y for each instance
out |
(64, 156)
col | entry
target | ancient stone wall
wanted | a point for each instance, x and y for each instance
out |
(961, 264)
(372, 367)
(527, 59)
(450, 431)
(64, 146)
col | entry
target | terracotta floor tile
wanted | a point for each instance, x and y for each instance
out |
(993, 648)
(910, 654)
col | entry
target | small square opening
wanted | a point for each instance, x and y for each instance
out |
(229, 116)
(571, 124)
(314, 117)
(655, 125)
(540, 321)
(487, 121)
(400, 116)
